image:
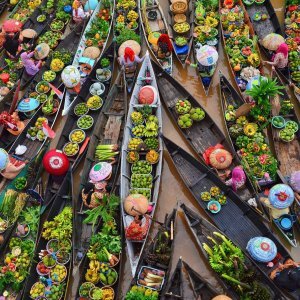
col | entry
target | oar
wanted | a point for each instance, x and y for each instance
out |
(82, 149)
(160, 223)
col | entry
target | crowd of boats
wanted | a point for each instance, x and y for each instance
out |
(245, 181)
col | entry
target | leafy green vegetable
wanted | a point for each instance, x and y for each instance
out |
(127, 34)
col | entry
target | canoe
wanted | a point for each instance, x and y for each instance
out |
(291, 12)
(71, 124)
(159, 25)
(201, 135)
(135, 247)
(32, 172)
(109, 131)
(62, 202)
(155, 258)
(112, 120)
(203, 229)
(182, 52)
(174, 287)
(287, 153)
(230, 97)
(264, 27)
(228, 47)
(84, 43)
(206, 80)
(32, 209)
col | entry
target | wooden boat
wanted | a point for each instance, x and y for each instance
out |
(109, 130)
(32, 172)
(206, 80)
(135, 247)
(3, 4)
(154, 258)
(202, 230)
(174, 287)
(62, 201)
(229, 96)
(201, 135)
(264, 27)
(71, 124)
(182, 52)
(78, 58)
(225, 35)
(287, 153)
(158, 25)
(68, 44)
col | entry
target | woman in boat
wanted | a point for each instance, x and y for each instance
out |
(31, 67)
(164, 46)
(13, 44)
(129, 60)
(280, 59)
(78, 12)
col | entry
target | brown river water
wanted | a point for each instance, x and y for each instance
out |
(172, 188)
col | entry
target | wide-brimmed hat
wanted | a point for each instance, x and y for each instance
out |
(91, 52)
(41, 51)
(29, 33)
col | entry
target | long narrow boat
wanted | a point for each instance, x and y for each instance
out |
(72, 119)
(243, 35)
(264, 21)
(108, 131)
(201, 38)
(286, 152)
(231, 102)
(156, 25)
(135, 244)
(203, 231)
(291, 31)
(3, 4)
(174, 287)
(59, 247)
(201, 135)
(90, 38)
(69, 44)
(157, 257)
(235, 218)
(182, 42)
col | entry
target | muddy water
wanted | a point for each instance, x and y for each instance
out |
(172, 188)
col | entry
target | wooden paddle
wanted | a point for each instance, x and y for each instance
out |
(134, 209)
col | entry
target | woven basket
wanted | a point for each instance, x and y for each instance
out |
(179, 7)
(180, 18)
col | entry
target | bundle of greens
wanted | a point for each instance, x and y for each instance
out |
(31, 216)
(230, 262)
(141, 293)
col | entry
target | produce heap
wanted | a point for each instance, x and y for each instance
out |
(207, 22)
(19, 253)
(99, 30)
(232, 265)
(241, 48)
(141, 293)
(126, 22)
(25, 9)
(292, 28)
(104, 251)
(36, 132)
(56, 257)
(188, 114)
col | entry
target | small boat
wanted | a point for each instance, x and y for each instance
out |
(230, 97)
(86, 41)
(108, 131)
(287, 152)
(213, 40)
(154, 23)
(232, 48)
(135, 244)
(174, 287)
(31, 172)
(182, 42)
(3, 4)
(71, 123)
(203, 231)
(157, 256)
(62, 207)
(264, 21)
(201, 135)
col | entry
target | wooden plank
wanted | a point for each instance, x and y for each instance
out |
(112, 129)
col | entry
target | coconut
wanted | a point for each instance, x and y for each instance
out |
(295, 181)
(138, 202)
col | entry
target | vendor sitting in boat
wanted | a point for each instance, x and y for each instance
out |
(31, 66)
(280, 58)
(164, 47)
(12, 123)
(9, 166)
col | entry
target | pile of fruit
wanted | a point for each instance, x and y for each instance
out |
(85, 122)
(94, 102)
(214, 194)
(81, 109)
(56, 65)
(140, 292)
(141, 167)
(57, 25)
(181, 27)
(141, 181)
(20, 183)
(49, 76)
(51, 38)
(64, 55)
(77, 136)
(43, 87)
(144, 127)
(39, 122)
(71, 148)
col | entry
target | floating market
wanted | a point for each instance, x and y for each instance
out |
(149, 149)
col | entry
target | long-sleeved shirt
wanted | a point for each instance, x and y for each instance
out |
(30, 66)
(130, 63)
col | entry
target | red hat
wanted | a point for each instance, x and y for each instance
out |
(129, 54)
(55, 162)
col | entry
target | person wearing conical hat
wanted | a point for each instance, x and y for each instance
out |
(78, 12)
